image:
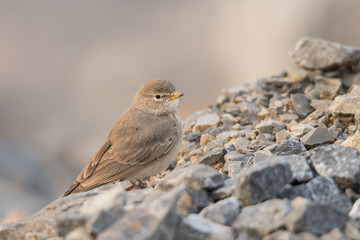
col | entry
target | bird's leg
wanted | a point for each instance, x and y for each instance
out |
(132, 187)
(141, 184)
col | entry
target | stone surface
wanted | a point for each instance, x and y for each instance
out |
(263, 218)
(347, 103)
(262, 181)
(354, 141)
(233, 156)
(226, 190)
(234, 168)
(152, 219)
(301, 104)
(317, 136)
(334, 234)
(327, 87)
(355, 210)
(286, 117)
(78, 234)
(223, 212)
(339, 162)
(322, 105)
(314, 53)
(196, 227)
(321, 190)
(301, 171)
(299, 130)
(270, 126)
(315, 218)
(213, 156)
(206, 121)
(198, 176)
(282, 136)
(289, 147)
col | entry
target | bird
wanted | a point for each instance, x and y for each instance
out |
(143, 141)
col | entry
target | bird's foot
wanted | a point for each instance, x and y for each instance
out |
(131, 187)
(139, 185)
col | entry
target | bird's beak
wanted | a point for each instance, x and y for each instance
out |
(175, 95)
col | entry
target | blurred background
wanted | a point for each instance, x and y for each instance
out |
(68, 69)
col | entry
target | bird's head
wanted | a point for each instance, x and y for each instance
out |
(158, 97)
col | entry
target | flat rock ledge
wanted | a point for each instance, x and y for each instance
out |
(276, 160)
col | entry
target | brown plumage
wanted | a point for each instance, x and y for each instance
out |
(142, 142)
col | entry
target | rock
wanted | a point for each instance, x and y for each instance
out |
(205, 138)
(355, 210)
(270, 126)
(36, 236)
(261, 156)
(240, 142)
(314, 53)
(234, 168)
(78, 234)
(351, 230)
(299, 130)
(223, 212)
(301, 171)
(206, 121)
(301, 104)
(289, 147)
(248, 235)
(297, 74)
(197, 176)
(193, 136)
(315, 218)
(317, 136)
(347, 103)
(262, 181)
(228, 135)
(350, 79)
(282, 136)
(279, 234)
(327, 87)
(263, 218)
(286, 117)
(233, 156)
(224, 191)
(285, 235)
(213, 156)
(340, 163)
(354, 141)
(321, 190)
(248, 107)
(187, 147)
(334, 234)
(101, 218)
(228, 119)
(155, 219)
(196, 227)
(64, 215)
(319, 104)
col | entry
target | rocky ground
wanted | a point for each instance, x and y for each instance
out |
(278, 160)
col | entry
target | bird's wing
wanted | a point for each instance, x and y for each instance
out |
(90, 167)
(133, 146)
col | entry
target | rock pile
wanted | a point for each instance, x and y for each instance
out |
(278, 160)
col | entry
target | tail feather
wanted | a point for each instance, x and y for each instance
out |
(71, 189)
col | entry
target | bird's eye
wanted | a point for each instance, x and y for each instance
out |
(157, 96)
